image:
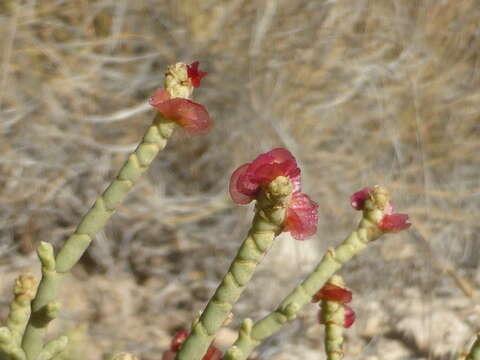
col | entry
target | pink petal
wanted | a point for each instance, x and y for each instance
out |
(245, 184)
(178, 340)
(394, 223)
(159, 96)
(169, 355)
(302, 217)
(349, 316)
(236, 188)
(213, 353)
(194, 74)
(191, 116)
(277, 162)
(333, 292)
(358, 199)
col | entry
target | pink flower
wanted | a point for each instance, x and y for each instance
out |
(358, 199)
(302, 217)
(349, 316)
(393, 223)
(248, 180)
(194, 74)
(390, 223)
(332, 292)
(193, 117)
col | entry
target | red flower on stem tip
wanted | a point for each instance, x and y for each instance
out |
(333, 292)
(390, 222)
(193, 117)
(358, 199)
(194, 74)
(349, 316)
(247, 181)
(213, 353)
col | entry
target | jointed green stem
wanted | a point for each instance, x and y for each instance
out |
(251, 335)
(266, 225)
(54, 269)
(333, 316)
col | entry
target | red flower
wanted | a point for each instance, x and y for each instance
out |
(393, 223)
(349, 316)
(333, 292)
(191, 116)
(390, 223)
(194, 74)
(178, 340)
(302, 217)
(213, 353)
(247, 181)
(358, 199)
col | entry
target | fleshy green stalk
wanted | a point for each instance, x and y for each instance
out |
(251, 335)
(154, 140)
(266, 225)
(333, 315)
(474, 353)
(11, 335)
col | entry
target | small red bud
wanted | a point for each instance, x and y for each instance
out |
(194, 74)
(358, 199)
(349, 316)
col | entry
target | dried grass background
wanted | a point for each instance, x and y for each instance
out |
(362, 92)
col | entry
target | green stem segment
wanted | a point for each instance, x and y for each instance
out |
(333, 316)
(251, 335)
(54, 269)
(11, 335)
(266, 225)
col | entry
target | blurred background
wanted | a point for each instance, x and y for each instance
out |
(362, 92)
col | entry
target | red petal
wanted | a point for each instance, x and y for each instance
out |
(358, 199)
(302, 217)
(236, 187)
(349, 316)
(194, 74)
(191, 116)
(277, 162)
(169, 355)
(178, 340)
(159, 96)
(213, 353)
(245, 183)
(333, 292)
(394, 223)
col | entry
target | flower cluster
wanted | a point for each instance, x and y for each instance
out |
(249, 179)
(213, 352)
(390, 223)
(191, 116)
(332, 292)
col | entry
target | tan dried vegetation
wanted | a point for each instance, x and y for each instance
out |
(362, 92)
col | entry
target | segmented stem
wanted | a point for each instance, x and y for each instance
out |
(266, 225)
(155, 139)
(251, 335)
(333, 314)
